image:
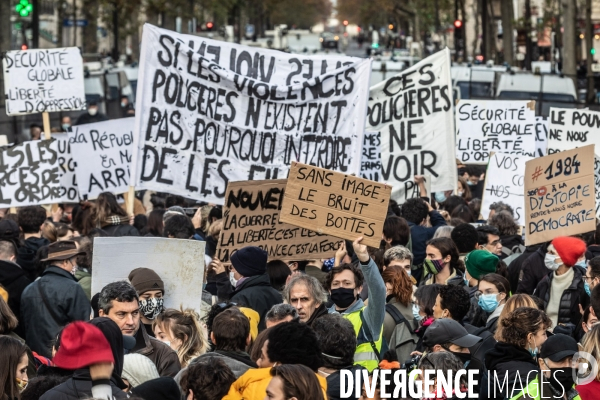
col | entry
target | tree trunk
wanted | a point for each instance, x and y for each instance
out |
(589, 44)
(90, 38)
(507, 32)
(5, 38)
(569, 53)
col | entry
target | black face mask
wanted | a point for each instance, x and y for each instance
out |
(463, 357)
(562, 378)
(343, 297)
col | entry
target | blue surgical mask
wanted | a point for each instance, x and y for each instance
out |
(466, 281)
(66, 126)
(533, 351)
(440, 197)
(471, 183)
(586, 286)
(488, 302)
(582, 264)
(415, 310)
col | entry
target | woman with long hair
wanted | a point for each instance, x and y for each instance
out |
(399, 290)
(108, 215)
(181, 329)
(442, 263)
(492, 293)
(591, 345)
(515, 301)
(13, 368)
(293, 381)
(155, 223)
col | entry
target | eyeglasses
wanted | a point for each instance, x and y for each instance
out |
(496, 242)
(589, 278)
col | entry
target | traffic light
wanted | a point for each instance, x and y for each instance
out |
(391, 27)
(209, 26)
(345, 22)
(593, 51)
(458, 37)
(24, 8)
(458, 24)
(24, 46)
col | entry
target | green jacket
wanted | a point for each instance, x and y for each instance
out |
(533, 392)
(84, 279)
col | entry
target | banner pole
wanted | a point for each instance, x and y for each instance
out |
(129, 198)
(46, 119)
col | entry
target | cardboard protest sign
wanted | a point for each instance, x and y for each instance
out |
(541, 136)
(210, 112)
(178, 262)
(572, 128)
(66, 164)
(45, 80)
(597, 184)
(30, 174)
(370, 165)
(251, 218)
(505, 182)
(484, 126)
(559, 195)
(413, 113)
(102, 151)
(337, 204)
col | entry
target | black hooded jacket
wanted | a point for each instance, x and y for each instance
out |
(508, 360)
(14, 281)
(26, 255)
(80, 385)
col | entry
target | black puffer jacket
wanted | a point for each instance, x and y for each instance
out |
(533, 271)
(121, 230)
(516, 266)
(507, 360)
(14, 281)
(571, 298)
(27, 253)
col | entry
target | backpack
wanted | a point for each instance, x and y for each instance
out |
(404, 339)
(516, 249)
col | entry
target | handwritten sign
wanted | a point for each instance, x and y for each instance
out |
(559, 195)
(413, 113)
(572, 128)
(30, 174)
(102, 151)
(338, 204)
(541, 136)
(47, 80)
(484, 126)
(505, 182)
(370, 165)
(251, 218)
(179, 263)
(66, 164)
(211, 112)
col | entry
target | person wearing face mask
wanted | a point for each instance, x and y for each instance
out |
(563, 289)
(520, 335)
(493, 291)
(442, 264)
(66, 123)
(478, 263)
(463, 189)
(53, 300)
(448, 335)
(92, 115)
(345, 283)
(592, 275)
(151, 290)
(591, 345)
(399, 323)
(13, 368)
(558, 369)
(422, 309)
(588, 320)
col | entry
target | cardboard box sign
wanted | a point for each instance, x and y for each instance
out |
(560, 195)
(251, 218)
(335, 203)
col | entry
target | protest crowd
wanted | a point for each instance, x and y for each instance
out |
(414, 279)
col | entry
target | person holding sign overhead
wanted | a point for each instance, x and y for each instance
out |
(345, 283)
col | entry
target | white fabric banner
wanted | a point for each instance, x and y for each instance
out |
(46, 80)
(485, 126)
(505, 182)
(413, 113)
(370, 166)
(102, 151)
(66, 164)
(30, 174)
(211, 112)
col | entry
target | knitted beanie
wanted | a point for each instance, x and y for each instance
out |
(145, 279)
(138, 369)
(481, 262)
(569, 249)
(249, 261)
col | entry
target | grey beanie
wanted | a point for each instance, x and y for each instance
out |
(138, 369)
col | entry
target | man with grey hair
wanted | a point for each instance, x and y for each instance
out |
(398, 256)
(306, 294)
(280, 313)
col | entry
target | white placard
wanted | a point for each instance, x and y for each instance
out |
(572, 128)
(486, 126)
(67, 167)
(178, 262)
(30, 174)
(46, 80)
(413, 113)
(102, 151)
(541, 136)
(370, 166)
(505, 182)
(210, 112)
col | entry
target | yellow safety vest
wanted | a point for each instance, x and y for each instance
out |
(365, 354)
(534, 391)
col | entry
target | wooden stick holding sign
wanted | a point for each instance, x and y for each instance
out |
(129, 199)
(47, 129)
(335, 203)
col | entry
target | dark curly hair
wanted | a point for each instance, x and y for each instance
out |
(338, 340)
(516, 325)
(294, 343)
(505, 223)
(208, 379)
(31, 218)
(483, 231)
(179, 227)
(414, 210)
(396, 229)
(455, 299)
(465, 237)
(359, 278)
